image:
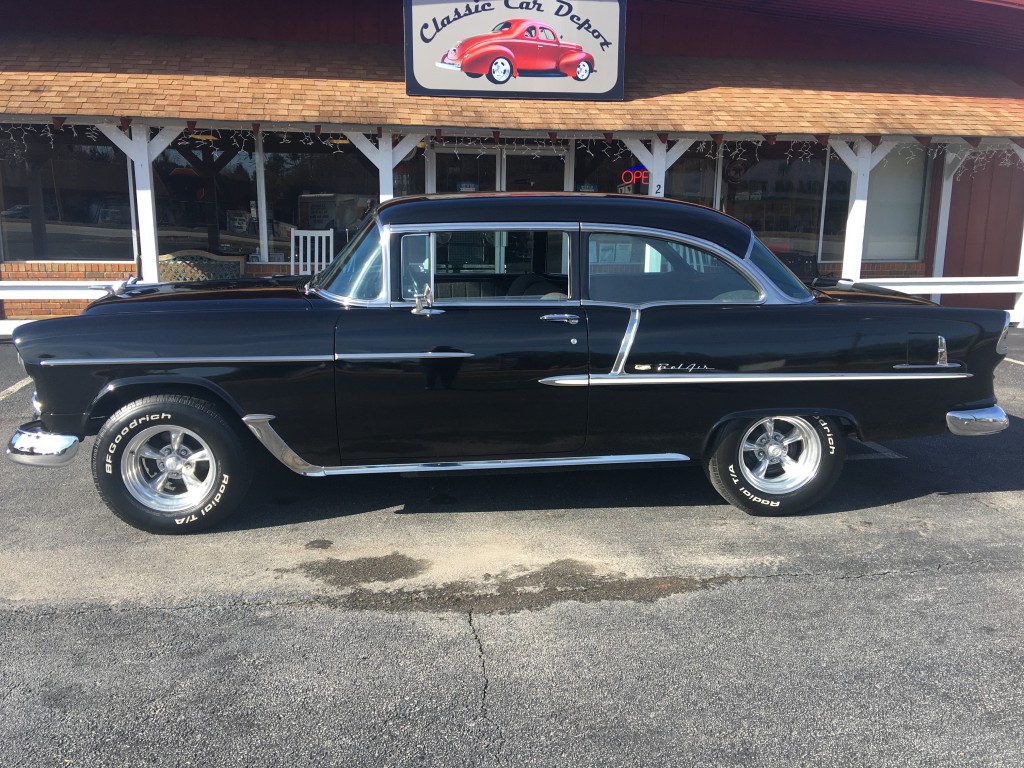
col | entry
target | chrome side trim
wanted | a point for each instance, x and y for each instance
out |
(400, 355)
(981, 421)
(926, 366)
(635, 379)
(260, 426)
(32, 446)
(188, 360)
(627, 342)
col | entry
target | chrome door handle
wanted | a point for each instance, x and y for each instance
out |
(570, 319)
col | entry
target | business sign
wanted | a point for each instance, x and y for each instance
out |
(543, 49)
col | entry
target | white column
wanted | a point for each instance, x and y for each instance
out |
(1017, 315)
(261, 198)
(142, 151)
(658, 159)
(951, 164)
(430, 169)
(569, 180)
(860, 161)
(385, 156)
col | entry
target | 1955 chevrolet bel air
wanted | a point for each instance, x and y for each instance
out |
(503, 331)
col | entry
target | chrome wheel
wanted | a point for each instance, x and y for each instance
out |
(168, 468)
(780, 454)
(501, 71)
(582, 70)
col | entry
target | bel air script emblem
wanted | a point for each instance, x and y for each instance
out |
(686, 367)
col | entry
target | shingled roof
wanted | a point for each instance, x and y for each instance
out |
(218, 80)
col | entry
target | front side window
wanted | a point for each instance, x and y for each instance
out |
(357, 272)
(487, 265)
(636, 269)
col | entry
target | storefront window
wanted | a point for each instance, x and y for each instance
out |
(777, 190)
(837, 207)
(692, 177)
(534, 170)
(316, 182)
(206, 194)
(63, 195)
(608, 166)
(897, 205)
(466, 170)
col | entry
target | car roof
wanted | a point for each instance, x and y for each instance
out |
(630, 210)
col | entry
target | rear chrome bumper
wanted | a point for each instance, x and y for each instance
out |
(981, 421)
(33, 446)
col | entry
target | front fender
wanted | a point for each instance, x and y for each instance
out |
(568, 63)
(120, 391)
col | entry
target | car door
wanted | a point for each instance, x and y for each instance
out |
(548, 51)
(457, 371)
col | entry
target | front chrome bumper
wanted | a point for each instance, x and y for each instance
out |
(33, 446)
(981, 421)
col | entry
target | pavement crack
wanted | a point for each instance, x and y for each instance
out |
(485, 714)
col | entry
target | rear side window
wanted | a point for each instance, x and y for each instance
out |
(778, 272)
(636, 269)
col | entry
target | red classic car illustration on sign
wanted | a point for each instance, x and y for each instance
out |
(515, 48)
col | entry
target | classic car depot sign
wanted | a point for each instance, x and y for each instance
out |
(562, 49)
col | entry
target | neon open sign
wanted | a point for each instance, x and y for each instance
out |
(636, 175)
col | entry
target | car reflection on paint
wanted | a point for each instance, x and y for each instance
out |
(516, 48)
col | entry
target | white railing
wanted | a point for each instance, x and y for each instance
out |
(935, 286)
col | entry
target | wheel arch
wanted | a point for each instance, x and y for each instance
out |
(480, 61)
(120, 392)
(845, 418)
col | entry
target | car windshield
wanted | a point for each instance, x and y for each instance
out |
(357, 272)
(502, 27)
(778, 272)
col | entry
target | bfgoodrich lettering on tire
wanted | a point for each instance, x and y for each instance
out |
(170, 464)
(777, 465)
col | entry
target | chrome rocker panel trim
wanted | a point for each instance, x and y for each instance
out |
(980, 421)
(187, 360)
(635, 379)
(260, 426)
(33, 446)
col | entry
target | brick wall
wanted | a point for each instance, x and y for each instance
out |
(55, 270)
(869, 269)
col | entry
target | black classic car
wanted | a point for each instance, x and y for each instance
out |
(503, 331)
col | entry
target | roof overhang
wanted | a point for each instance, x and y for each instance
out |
(164, 81)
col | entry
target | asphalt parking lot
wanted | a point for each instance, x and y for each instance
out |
(599, 618)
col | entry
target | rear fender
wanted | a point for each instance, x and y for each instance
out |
(847, 419)
(479, 62)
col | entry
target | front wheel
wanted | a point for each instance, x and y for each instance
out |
(170, 464)
(777, 465)
(582, 71)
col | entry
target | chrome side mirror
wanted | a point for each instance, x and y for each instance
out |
(424, 303)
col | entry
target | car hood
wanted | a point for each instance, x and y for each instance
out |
(827, 291)
(256, 293)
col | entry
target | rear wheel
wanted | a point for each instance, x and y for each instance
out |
(582, 71)
(500, 71)
(777, 465)
(170, 464)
